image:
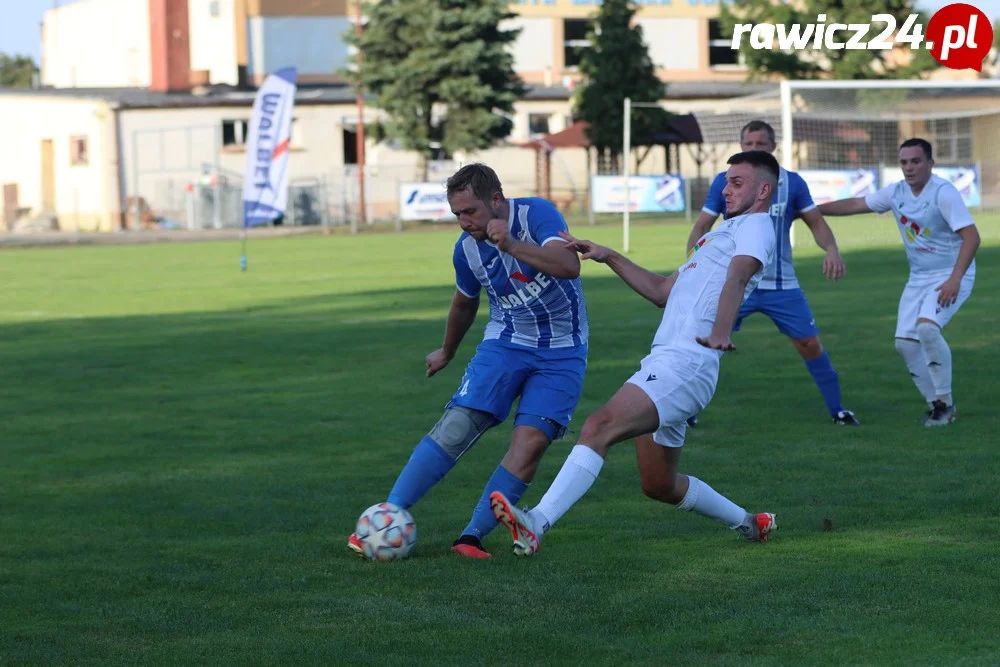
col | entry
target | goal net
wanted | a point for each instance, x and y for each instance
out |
(845, 138)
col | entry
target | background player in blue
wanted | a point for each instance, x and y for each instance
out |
(779, 296)
(534, 346)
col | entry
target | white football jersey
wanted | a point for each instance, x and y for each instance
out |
(928, 224)
(694, 299)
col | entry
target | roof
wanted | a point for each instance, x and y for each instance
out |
(574, 136)
(216, 96)
(679, 129)
(718, 89)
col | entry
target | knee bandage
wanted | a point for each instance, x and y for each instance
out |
(459, 428)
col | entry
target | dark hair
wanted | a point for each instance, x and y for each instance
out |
(759, 159)
(757, 126)
(923, 143)
(478, 178)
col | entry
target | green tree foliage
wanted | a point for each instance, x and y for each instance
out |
(442, 70)
(16, 71)
(615, 67)
(827, 63)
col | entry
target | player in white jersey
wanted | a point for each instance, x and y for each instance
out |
(678, 377)
(941, 240)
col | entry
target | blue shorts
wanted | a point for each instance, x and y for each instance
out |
(787, 308)
(549, 382)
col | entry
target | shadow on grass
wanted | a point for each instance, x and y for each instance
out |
(330, 358)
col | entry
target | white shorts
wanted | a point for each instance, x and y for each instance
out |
(681, 383)
(919, 301)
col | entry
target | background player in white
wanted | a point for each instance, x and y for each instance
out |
(534, 349)
(779, 296)
(941, 240)
(678, 377)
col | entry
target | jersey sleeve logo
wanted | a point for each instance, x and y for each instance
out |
(706, 240)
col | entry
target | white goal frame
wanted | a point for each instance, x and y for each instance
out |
(788, 88)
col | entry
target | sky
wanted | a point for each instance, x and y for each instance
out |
(20, 19)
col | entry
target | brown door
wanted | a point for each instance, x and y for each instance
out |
(9, 205)
(48, 175)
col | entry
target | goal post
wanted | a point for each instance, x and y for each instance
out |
(844, 137)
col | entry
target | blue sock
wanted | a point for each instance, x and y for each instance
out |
(826, 379)
(427, 465)
(483, 520)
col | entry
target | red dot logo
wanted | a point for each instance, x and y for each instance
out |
(962, 36)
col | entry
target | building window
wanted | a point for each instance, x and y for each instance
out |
(350, 136)
(213, 9)
(79, 155)
(575, 41)
(720, 51)
(234, 132)
(538, 124)
(952, 139)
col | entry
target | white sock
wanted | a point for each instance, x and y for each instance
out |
(916, 362)
(938, 359)
(706, 501)
(575, 478)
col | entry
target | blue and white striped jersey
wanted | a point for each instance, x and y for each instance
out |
(527, 307)
(792, 198)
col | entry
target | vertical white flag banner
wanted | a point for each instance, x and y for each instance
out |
(265, 182)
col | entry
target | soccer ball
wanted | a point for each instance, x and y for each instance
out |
(387, 532)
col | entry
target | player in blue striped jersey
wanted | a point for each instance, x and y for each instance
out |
(534, 348)
(779, 296)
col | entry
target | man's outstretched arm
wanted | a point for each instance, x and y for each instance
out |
(649, 285)
(852, 206)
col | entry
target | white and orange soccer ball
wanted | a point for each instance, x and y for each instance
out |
(386, 532)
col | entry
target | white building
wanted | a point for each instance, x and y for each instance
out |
(84, 155)
(111, 43)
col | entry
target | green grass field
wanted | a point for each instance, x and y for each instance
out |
(186, 449)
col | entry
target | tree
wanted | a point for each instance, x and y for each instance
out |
(16, 71)
(829, 63)
(615, 67)
(441, 70)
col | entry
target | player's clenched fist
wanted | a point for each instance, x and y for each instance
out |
(437, 360)
(498, 231)
(587, 249)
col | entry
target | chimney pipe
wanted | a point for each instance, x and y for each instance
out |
(169, 46)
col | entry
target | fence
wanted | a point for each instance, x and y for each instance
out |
(817, 128)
